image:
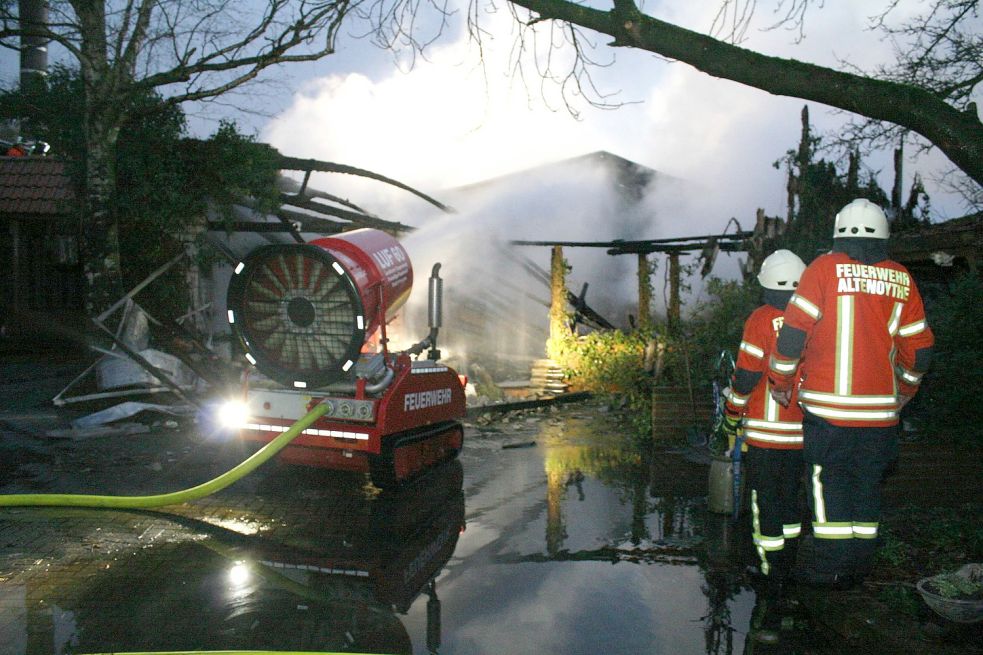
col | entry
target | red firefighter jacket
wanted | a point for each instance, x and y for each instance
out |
(863, 324)
(766, 423)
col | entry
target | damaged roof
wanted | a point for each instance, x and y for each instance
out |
(35, 186)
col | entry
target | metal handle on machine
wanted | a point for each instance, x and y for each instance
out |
(435, 308)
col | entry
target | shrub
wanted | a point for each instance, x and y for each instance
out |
(949, 394)
(611, 363)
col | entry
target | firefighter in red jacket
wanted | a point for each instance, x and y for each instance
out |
(772, 432)
(856, 340)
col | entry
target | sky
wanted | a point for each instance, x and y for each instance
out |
(457, 116)
(448, 121)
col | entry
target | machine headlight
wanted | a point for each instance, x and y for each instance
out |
(239, 574)
(233, 414)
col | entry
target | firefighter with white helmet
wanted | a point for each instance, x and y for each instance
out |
(772, 432)
(855, 343)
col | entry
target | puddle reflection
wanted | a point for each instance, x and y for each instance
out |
(295, 587)
(582, 543)
(591, 543)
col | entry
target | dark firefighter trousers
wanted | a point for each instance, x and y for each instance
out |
(774, 481)
(844, 471)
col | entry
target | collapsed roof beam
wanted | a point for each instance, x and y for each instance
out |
(308, 165)
(646, 245)
(359, 218)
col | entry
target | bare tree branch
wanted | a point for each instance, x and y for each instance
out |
(958, 134)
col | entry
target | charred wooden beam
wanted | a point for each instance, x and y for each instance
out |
(323, 195)
(249, 226)
(359, 218)
(588, 315)
(630, 246)
(316, 224)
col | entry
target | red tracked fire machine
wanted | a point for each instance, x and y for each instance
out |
(305, 315)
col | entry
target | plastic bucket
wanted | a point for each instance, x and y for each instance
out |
(720, 487)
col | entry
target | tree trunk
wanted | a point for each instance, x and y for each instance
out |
(104, 112)
(99, 247)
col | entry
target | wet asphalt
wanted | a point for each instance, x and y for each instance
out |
(553, 532)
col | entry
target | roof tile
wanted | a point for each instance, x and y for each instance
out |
(35, 185)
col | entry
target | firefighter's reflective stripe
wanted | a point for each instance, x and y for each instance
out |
(912, 328)
(819, 509)
(806, 306)
(774, 425)
(837, 399)
(849, 407)
(771, 407)
(769, 543)
(792, 530)
(752, 350)
(844, 345)
(737, 399)
(783, 366)
(770, 437)
(852, 414)
(762, 544)
(865, 530)
(853, 348)
(909, 377)
(892, 324)
(832, 530)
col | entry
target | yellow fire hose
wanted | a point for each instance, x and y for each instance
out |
(161, 500)
(176, 497)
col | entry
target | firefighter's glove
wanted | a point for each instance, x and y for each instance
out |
(781, 393)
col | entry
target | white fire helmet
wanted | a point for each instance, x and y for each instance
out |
(861, 218)
(781, 271)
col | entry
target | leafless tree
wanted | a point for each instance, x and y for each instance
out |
(925, 94)
(184, 50)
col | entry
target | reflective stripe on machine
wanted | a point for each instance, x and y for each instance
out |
(337, 434)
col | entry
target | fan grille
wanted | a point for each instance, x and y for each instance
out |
(298, 314)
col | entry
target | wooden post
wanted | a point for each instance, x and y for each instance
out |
(559, 328)
(644, 292)
(673, 309)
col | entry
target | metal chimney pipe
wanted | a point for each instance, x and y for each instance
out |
(33, 48)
